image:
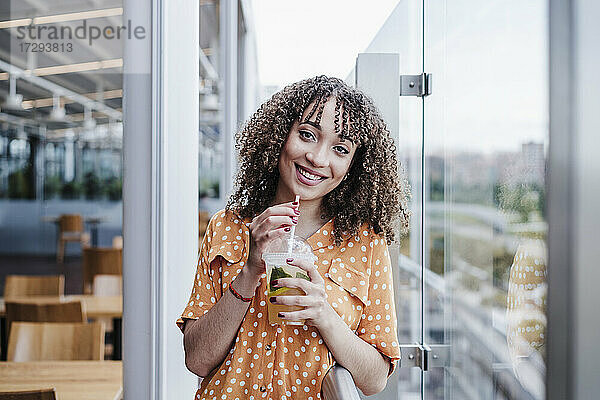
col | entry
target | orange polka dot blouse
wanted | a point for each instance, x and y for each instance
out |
(290, 362)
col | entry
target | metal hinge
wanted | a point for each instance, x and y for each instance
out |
(415, 85)
(425, 356)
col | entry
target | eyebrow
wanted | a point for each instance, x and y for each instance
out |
(311, 123)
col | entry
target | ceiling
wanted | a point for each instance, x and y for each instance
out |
(91, 69)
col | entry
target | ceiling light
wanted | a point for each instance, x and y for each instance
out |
(209, 102)
(48, 19)
(70, 68)
(48, 101)
(58, 112)
(13, 101)
(108, 12)
(21, 134)
(78, 67)
(89, 123)
(15, 23)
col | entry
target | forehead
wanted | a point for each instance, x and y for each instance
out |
(325, 117)
(312, 111)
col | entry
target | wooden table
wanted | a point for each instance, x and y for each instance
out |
(95, 307)
(73, 380)
(92, 221)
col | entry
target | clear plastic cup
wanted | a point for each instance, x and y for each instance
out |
(275, 257)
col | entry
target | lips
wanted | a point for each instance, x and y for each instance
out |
(305, 180)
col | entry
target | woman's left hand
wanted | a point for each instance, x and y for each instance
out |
(317, 311)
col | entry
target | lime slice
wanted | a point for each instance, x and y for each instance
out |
(303, 276)
(278, 291)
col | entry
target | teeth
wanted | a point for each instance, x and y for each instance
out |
(307, 175)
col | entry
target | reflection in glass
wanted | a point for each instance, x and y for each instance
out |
(210, 144)
(484, 223)
(401, 35)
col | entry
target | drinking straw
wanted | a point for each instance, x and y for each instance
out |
(293, 231)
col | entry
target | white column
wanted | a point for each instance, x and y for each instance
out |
(160, 194)
(378, 76)
(138, 318)
(179, 114)
(586, 251)
(573, 196)
(228, 19)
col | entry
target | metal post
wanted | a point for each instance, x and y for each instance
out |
(228, 96)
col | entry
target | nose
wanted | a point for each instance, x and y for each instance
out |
(318, 157)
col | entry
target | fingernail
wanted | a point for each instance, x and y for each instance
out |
(275, 283)
(273, 299)
(289, 260)
(280, 315)
(287, 229)
(294, 220)
(295, 203)
(296, 211)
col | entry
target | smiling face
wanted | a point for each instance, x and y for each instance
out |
(314, 159)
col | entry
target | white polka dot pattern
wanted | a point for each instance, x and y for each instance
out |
(291, 361)
(526, 300)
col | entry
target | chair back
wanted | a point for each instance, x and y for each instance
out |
(107, 285)
(117, 242)
(70, 223)
(44, 311)
(37, 394)
(34, 285)
(34, 341)
(203, 220)
(100, 261)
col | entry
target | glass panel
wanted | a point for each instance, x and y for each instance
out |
(402, 34)
(486, 137)
(60, 135)
(210, 156)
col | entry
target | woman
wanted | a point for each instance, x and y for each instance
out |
(325, 142)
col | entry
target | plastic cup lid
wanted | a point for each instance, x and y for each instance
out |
(283, 247)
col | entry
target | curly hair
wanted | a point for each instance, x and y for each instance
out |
(374, 191)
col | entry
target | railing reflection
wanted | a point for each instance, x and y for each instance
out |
(480, 360)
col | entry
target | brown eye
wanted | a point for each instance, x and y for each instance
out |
(305, 134)
(342, 150)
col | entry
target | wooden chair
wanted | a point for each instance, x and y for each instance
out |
(107, 285)
(39, 394)
(44, 311)
(34, 285)
(100, 261)
(70, 230)
(203, 220)
(117, 242)
(34, 341)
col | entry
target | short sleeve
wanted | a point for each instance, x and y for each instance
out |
(378, 325)
(219, 240)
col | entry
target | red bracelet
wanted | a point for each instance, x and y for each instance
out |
(239, 296)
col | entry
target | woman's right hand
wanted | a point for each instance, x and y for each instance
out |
(274, 222)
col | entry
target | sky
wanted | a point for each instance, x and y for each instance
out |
(300, 39)
(488, 60)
